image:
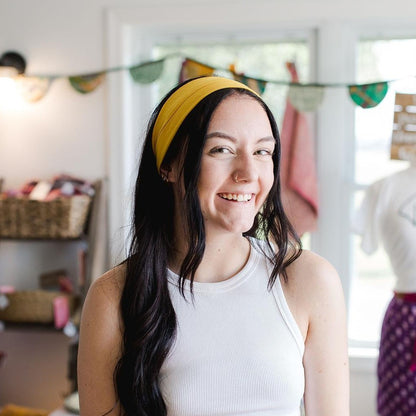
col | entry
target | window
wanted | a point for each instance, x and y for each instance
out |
(373, 278)
(265, 60)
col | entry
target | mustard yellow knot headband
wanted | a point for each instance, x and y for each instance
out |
(179, 105)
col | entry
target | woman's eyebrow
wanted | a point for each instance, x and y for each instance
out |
(221, 135)
(233, 139)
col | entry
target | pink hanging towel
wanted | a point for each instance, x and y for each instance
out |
(298, 170)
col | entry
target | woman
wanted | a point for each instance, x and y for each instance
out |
(217, 310)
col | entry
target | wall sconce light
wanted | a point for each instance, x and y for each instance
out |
(12, 64)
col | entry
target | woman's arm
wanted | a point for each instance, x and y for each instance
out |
(100, 347)
(326, 346)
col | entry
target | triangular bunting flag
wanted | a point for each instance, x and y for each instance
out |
(87, 83)
(305, 99)
(32, 89)
(368, 95)
(193, 69)
(255, 84)
(148, 72)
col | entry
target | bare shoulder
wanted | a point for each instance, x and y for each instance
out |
(109, 286)
(313, 285)
(311, 272)
(100, 343)
(103, 298)
(314, 293)
(111, 281)
(101, 324)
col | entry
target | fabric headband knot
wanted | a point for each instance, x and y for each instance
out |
(179, 105)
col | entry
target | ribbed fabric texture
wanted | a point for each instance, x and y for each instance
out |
(238, 349)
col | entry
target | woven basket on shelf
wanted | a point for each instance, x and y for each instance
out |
(33, 306)
(63, 217)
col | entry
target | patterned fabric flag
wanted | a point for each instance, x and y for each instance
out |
(304, 98)
(32, 89)
(368, 95)
(87, 83)
(256, 85)
(148, 72)
(192, 69)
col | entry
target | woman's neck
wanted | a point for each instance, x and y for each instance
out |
(224, 256)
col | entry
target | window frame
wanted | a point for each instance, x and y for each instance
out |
(131, 34)
(132, 31)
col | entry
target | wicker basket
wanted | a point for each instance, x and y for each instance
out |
(33, 306)
(63, 217)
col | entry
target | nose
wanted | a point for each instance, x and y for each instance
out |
(244, 169)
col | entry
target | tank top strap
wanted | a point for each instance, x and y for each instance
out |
(288, 316)
(282, 305)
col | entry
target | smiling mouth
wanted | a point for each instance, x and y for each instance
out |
(236, 197)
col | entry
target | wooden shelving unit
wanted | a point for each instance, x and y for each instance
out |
(87, 241)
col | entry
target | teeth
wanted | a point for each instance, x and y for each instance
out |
(236, 197)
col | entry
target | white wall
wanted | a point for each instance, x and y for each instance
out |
(69, 132)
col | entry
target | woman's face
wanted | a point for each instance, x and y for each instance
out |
(236, 166)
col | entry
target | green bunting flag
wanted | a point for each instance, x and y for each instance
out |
(87, 83)
(368, 95)
(32, 89)
(147, 72)
(305, 99)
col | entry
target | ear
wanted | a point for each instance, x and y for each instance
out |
(164, 173)
(169, 173)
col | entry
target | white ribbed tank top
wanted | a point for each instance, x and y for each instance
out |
(238, 349)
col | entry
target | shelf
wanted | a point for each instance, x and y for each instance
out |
(30, 327)
(28, 239)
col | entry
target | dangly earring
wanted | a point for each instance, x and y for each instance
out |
(164, 176)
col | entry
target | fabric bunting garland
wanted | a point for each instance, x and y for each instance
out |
(368, 95)
(32, 89)
(87, 83)
(305, 97)
(256, 85)
(148, 72)
(193, 69)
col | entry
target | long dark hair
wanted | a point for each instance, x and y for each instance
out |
(146, 308)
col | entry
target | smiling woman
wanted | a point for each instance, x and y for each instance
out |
(236, 166)
(204, 317)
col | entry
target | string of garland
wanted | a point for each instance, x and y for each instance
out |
(304, 96)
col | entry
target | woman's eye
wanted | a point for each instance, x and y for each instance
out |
(221, 150)
(264, 152)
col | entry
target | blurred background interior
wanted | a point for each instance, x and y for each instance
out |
(81, 109)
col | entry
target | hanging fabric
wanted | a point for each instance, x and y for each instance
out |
(298, 170)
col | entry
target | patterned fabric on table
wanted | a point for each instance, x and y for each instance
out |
(396, 374)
